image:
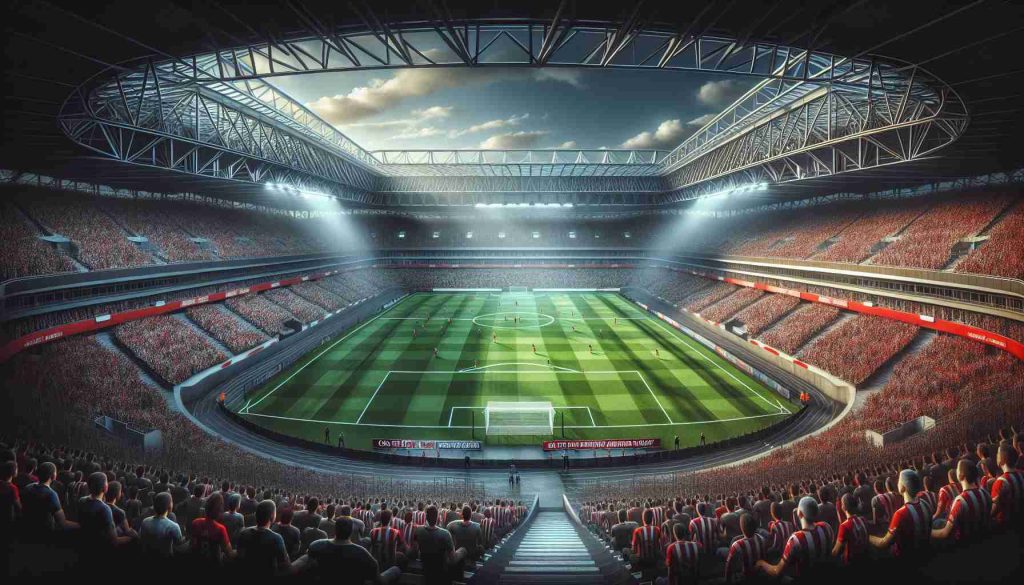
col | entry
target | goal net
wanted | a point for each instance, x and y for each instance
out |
(518, 289)
(519, 418)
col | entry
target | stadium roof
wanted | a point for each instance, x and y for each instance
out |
(167, 99)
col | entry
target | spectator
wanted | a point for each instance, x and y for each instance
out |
(437, 549)
(852, 537)
(161, 536)
(682, 559)
(909, 528)
(745, 552)
(41, 509)
(210, 542)
(622, 533)
(289, 534)
(386, 543)
(970, 517)
(329, 559)
(261, 551)
(805, 548)
(1008, 490)
(466, 534)
(232, 520)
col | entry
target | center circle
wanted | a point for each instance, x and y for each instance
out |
(502, 324)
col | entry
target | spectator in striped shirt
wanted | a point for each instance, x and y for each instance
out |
(386, 544)
(1008, 489)
(705, 528)
(909, 529)
(745, 552)
(488, 531)
(947, 494)
(806, 547)
(885, 504)
(646, 543)
(971, 514)
(780, 529)
(852, 538)
(927, 495)
(682, 559)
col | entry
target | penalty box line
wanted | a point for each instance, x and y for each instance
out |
(643, 379)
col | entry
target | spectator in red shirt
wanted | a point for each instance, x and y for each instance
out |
(10, 501)
(852, 538)
(971, 514)
(210, 542)
(682, 559)
(745, 552)
(1008, 489)
(910, 527)
(646, 541)
(806, 547)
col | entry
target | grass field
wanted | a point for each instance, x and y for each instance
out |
(609, 369)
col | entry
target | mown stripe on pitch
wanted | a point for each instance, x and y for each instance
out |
(738, 396)
(331, 408)
(692, 409)
(431, 390)
(622, 357)
(555, 344)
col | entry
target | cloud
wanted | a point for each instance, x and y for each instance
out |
(513, 140)
(573, 77)
(489, 125)
(567, 145)
(668, 134)
(381, 95)
(720, 93)
(701, 120)
(433, 112)
(425, 132)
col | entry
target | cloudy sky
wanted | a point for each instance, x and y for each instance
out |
(515, 107)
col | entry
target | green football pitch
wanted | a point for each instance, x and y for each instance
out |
(608, 369)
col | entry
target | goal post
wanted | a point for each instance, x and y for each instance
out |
(518, 289)
(519, 418)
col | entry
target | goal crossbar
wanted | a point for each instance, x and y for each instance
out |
(519, 418)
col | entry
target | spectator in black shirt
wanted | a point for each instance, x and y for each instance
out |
(261, 551)
(343, 561)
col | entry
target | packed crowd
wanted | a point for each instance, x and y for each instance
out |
(855, 348)
(98, 241)
(922, 229)
(295, 304)
(1003, 253)
(939, 379)
(70, 509)
(766, 311)
(724, 309)
(22, 253)
(858, 240)
(225, 327)
(314, 293)
(797, 234)
(174, 350)
(256, 309)
(897, 512)
(928, 242)
(150, 219)
(707, 296)
(796, 328)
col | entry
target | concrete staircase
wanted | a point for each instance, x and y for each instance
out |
(551, 551)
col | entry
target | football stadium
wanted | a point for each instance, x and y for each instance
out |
(514, 292)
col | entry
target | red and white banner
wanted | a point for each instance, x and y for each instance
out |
(425, 444)
(579, 445)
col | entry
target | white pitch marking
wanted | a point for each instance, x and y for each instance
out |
(349, 334)
(372, 397)
(644, 380)
(727, 372)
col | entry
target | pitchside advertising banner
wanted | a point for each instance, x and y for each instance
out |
(602, 444)
(425, 444)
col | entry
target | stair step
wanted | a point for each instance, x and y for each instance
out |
(555, 570)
